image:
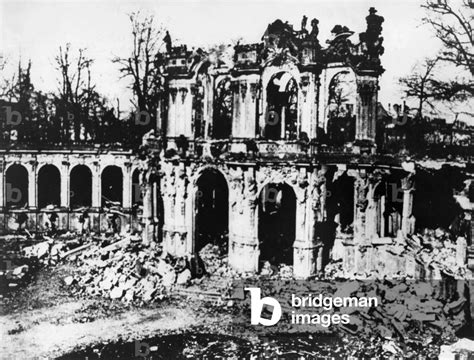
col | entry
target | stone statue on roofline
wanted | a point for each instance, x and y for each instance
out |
(314, 29)
(167, 41)
(304, 21)
(371, 39)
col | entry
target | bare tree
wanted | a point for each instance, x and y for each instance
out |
(419, 84)
(77, 95)
(144, 64)
(453, 26)
(75, 82)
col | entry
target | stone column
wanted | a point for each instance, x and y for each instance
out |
(307, 256)
(372, 218)
(366, 107)
(361, 190)
(65, 185)
(95, 216)
(127, 187)
(147, 217)
(33, 186)
(2, 197)
(2, 186)
(96, 187)
(408, 225)
(243, 234)
(361, 203)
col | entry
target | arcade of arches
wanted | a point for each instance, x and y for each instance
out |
(75, 186)
(294, 216)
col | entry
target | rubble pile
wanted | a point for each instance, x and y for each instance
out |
(411, 317)
(130, 271)
(23, 255)
(431, 255)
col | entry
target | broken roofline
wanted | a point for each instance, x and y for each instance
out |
(281, 44)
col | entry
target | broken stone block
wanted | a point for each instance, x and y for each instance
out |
(42, 249)
(462, 346)
(169, 278)
(68, 280)
(183, 277)
(116, 293)
(148, 295)
(130, 295)
(23, 269)
(454, 307)
(163, 268)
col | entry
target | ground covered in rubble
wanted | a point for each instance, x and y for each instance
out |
(114, 297)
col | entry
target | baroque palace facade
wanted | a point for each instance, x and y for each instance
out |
(241, 163)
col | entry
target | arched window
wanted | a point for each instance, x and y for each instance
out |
(16, 186)
(222, 116)
(341, 108)
(112, 186)
(49, 186)
(282, 108)
(80, 186)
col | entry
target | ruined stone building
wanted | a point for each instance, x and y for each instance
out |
(266, 153)
(244, 163)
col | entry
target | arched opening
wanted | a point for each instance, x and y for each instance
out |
(137, 198)
(393, 206)
(276, 224)
(16, 186)
(49, 186)
(80, 186)
(340, 203)
(222, 116)
(340, 217)
(112, 186)
(341, 108)
(212, 210)
(282, 108)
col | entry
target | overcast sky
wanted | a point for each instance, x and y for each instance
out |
(35, 29)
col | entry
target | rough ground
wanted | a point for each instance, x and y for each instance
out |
(46, 320)
(44, 316)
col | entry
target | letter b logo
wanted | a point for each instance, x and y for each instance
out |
(256, 307)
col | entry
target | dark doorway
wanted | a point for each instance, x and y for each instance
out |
(49, 186)
(16, 186)
(81, 187)
(277, 223)
(112, 186)
(212, 210)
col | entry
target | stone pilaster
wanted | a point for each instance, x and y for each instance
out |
(243, 228)
(33, 185)
(147, 216)
(408, 220)
(312, 199)
(65, 193)
(2, 186)
(96, 186)
(127, 188)
(366, 107)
